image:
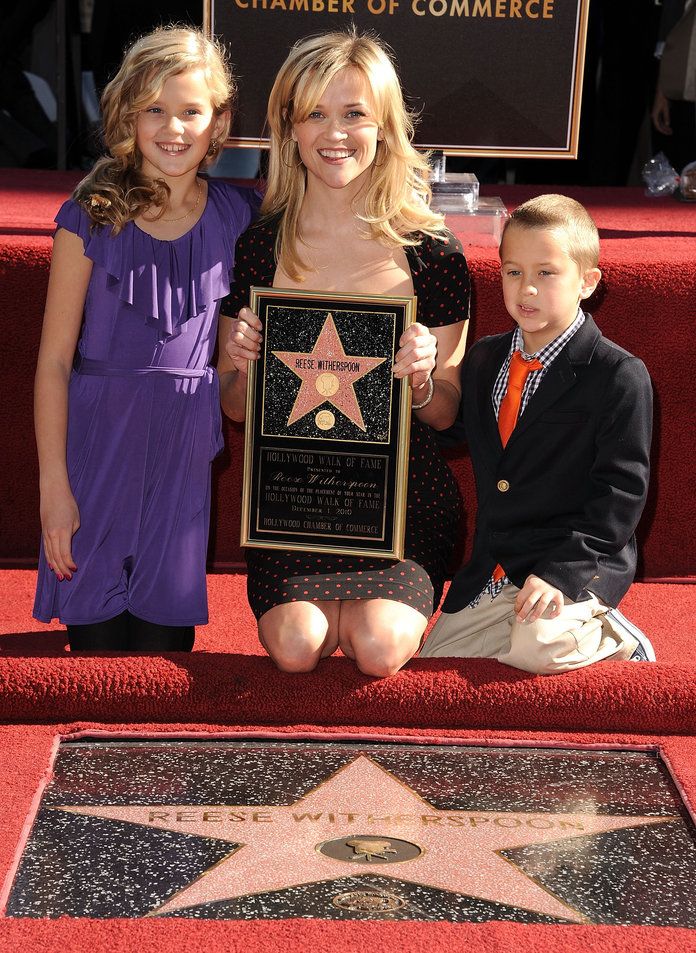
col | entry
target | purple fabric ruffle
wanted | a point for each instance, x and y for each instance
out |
(168, 282)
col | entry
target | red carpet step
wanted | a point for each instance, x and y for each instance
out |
(439, 693)
(228, 680)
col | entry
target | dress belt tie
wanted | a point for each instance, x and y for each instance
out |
(85, 365)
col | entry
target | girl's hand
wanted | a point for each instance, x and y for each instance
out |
(244, 340)
(60, 520)
(417, 355)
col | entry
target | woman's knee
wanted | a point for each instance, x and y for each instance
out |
(295, 640)
(382, 650)
(384, 657)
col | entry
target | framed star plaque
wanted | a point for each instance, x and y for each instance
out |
(327, 425)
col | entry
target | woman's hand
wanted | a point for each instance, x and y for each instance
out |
(417, 355)
(244, 340)
(60, 520)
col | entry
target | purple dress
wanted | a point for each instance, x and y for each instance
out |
(144, 418)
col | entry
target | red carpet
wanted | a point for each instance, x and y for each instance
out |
(229, 680)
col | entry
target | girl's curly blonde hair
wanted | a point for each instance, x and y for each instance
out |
(116, 190)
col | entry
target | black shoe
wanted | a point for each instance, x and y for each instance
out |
(643, 652)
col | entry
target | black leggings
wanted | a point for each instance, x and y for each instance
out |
(127, 633)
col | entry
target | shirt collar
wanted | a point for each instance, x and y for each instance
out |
(553, 347)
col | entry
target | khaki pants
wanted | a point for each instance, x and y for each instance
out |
(579, 635)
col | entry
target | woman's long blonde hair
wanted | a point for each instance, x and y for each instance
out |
(116, 190)
(397, 197)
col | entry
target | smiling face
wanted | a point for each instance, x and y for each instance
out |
(338, 140)
(542, 284)
(173, 133)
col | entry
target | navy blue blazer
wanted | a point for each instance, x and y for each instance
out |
(562, 500)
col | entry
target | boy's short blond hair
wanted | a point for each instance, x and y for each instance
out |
(561, 214)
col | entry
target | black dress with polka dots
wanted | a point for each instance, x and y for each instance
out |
(434, 506)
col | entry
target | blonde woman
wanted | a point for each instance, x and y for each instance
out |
(346, 210)
(126, 404)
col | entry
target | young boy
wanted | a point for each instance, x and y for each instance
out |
(558, 421)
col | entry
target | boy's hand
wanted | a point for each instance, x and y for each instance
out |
(244, 341)
(535, 598)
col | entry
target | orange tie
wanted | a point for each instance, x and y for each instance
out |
(510, 406)
(520, 369)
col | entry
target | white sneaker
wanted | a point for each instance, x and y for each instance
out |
(643, 652)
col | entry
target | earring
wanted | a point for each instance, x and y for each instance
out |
(290, 165)
(213, 148)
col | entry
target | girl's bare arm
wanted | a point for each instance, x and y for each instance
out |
(67, 288)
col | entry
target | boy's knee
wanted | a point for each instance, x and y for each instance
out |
(546, 647)
(541, 663)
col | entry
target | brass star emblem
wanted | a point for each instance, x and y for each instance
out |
(384, 825)
(328, 374)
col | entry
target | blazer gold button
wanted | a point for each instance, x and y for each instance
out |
(503, 486)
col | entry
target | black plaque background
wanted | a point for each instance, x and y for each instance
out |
(484, 85)
(369, 329)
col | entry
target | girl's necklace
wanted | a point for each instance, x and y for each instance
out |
(190, 211)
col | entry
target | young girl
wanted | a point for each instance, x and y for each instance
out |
(126, 404)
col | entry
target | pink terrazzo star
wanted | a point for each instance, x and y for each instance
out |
(328, 374)
(278, 846)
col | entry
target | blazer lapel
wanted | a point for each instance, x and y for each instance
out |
(556, 382)
(561, 375)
